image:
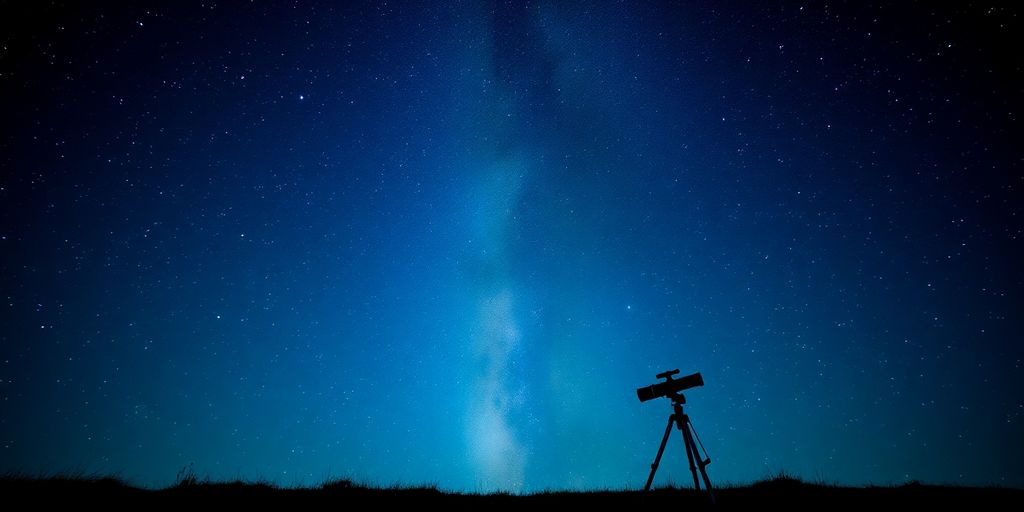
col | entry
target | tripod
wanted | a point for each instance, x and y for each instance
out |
(682, 422)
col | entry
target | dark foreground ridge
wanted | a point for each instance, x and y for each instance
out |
(781, 492)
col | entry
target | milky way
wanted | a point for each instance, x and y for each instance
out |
(497, 449)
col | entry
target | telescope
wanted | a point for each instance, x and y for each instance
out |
(670, 387)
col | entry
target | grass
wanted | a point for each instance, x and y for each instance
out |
(779, 491)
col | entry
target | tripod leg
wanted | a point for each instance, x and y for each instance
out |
(701, 463)
(707, 483)
(691, 451)
(661, 450)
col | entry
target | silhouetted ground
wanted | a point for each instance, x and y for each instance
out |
(769, 494)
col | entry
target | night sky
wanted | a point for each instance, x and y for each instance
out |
(443, 243)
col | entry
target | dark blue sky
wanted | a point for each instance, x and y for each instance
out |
(444, 243)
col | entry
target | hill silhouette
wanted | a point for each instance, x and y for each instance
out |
(775, 492)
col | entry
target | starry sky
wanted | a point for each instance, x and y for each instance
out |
(443, 242)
